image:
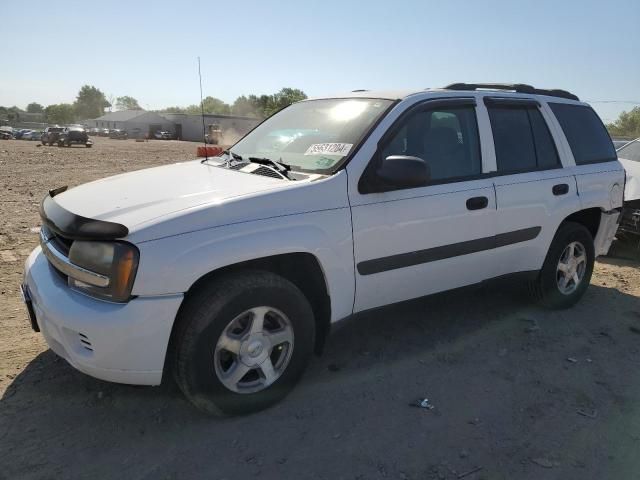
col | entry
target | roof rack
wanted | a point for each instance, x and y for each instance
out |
(515, 87)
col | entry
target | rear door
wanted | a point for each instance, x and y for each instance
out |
(534, 193)
(600, 177)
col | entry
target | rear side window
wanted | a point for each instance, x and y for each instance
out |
(546, 152)
(585, 132)
(630, 151)
(522, 140)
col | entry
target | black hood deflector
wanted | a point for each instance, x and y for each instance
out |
(75, 227)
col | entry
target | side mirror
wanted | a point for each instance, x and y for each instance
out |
(400, 171)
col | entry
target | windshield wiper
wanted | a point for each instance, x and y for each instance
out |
(282, 168)
(230, 155)
(233, 155)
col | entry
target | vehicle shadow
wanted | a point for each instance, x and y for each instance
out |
(56, 422)
(626, 249)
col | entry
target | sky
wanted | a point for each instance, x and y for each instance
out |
(149, 50)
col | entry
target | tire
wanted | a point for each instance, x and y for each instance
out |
(204, 321)
(547, 287)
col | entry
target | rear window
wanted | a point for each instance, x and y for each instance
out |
(522, 140)
(630, 151)
(585, 132)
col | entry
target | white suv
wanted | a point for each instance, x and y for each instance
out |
(229, 272)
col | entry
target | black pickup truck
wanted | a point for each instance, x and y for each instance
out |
(74, 135)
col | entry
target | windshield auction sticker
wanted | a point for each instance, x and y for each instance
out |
(329, 149)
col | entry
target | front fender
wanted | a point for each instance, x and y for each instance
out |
(172, 265)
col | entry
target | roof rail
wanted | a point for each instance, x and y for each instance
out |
(515, 87)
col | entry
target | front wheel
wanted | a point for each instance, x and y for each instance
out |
(242, 342)
(567, 269)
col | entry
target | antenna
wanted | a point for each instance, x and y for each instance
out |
(204, 131)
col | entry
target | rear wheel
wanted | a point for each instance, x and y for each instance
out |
(242, 342)
(567, 269)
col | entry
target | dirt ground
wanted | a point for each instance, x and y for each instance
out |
(519, 392)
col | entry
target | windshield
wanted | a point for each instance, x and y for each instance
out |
(631, 151)
(313, 135)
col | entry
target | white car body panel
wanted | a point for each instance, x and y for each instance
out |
(190, 219)
(404, 221)
(173, 264)
(154, 194)
(632, 187)
(526, 200)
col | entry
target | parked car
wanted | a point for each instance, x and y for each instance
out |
(229, 273)
(74, 135)
(51, 134)
(6, 134)
(629, 156)
(93, 131)
(118, 134)
(619, 143)
(104, 132)
(32, 135)
(162, 135)
(18, 133)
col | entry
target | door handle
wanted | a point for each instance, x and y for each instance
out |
(477, 203)
(560, 189)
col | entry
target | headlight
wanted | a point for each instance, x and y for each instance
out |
(117, 261)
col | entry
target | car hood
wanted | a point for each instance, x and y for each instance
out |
(139, 197)
(632, 186)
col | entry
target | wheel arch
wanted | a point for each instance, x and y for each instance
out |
(588, 217)
(303, 269)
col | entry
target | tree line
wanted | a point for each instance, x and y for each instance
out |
(91, 102)
(627, 124)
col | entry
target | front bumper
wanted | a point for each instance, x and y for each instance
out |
(124, 343)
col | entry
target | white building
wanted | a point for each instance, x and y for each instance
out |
(134, 122)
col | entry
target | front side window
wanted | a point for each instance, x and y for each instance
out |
(314, 135)
(522, 139)
(445, 138)
(585, 132)
(631, 151)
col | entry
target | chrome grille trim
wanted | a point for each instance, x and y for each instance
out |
(64, 265)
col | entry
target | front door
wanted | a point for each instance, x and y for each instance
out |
(416, 241)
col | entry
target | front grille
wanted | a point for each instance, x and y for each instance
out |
(62, 244)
